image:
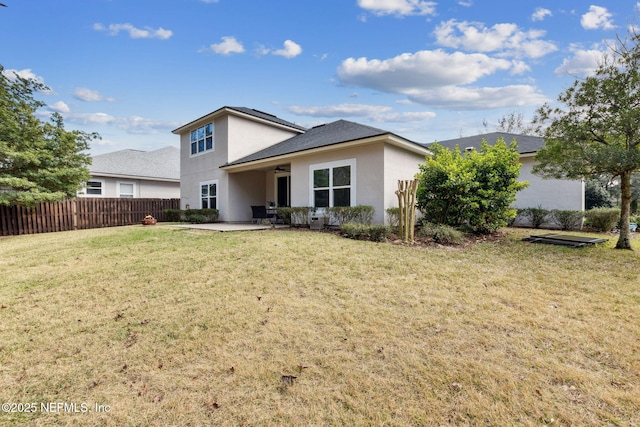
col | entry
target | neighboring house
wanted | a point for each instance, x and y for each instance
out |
(135, 174)
(547, 193)
(236, 157)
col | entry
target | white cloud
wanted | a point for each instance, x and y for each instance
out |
(540, 14)
(227, 46)
(291, 49)
(423, 69)
(582, 62)
(88, 95)
(417, 116)
(377, 113)
(341, 110)
(506, 39)
(440, 79)
(597, 17)
(135, 33)
(475, 98)
(26, 73)
(398, 7)
(59, 107)
(133, 124)
(465, 3)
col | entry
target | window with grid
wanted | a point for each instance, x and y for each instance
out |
(202, 139)
(94, 188)
(333, 184)
(209, 195)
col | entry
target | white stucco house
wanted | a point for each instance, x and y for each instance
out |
(236, 157)
(135, 174)
(547, 193)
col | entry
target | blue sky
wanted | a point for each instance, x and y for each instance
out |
(133, 70)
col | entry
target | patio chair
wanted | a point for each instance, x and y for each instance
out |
(258, 214)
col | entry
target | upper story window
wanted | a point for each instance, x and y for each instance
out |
(202, 139)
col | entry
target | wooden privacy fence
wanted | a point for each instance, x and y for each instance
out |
(80, 213)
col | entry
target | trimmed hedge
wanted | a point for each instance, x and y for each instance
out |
(194, 216)
(537, 216)
(358, 231)
(567, 219)
(441, 233)
(393, 216)
(603, 219)
(361, 214)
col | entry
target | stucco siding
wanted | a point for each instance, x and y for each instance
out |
(369, 182)
(399, 165)
(249, 137)
(204, 167)
(548, 193)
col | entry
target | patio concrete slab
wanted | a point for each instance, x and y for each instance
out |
(225, 226)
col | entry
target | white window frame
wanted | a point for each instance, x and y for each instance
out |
(215, 182)
(194, 139)
(102, 188)
(135, 189)
(331, 166)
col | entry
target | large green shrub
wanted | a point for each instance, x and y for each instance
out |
(473, 189)
(603, 219)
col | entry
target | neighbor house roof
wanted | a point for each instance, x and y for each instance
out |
(162, 164)
(242, 111)
(338, 132)
(527, 144)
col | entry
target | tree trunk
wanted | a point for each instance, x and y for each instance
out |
(624, 241)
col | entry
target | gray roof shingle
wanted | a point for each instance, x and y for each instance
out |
(266, 116)
(249, 111)
(526, 144)
(320, 136)
(163, 163)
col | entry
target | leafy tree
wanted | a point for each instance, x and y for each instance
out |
(598, 132)
(514, 123)
(474, 189)
(39, 162)
(596, 195)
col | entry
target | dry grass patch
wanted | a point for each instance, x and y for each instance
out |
(185, 327)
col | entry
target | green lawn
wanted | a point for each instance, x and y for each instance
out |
(166, 326)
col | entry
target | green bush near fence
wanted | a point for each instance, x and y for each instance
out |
(194, 216)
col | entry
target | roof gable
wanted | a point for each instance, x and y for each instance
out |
(333, 133)
(526, 143)
(242, 111)
(163, 163)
